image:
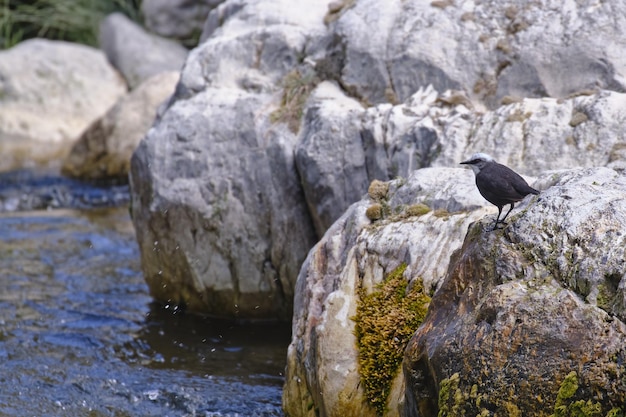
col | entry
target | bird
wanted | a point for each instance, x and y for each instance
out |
(499, 184)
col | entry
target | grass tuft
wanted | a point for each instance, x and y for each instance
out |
(69, 20)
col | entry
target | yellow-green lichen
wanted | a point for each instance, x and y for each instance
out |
(565, 407)
(451, 400)
(568, 388)
(454, 402)
(384, 322)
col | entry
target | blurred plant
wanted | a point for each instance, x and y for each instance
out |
(69, 20)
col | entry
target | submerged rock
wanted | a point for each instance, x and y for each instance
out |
(524, 310)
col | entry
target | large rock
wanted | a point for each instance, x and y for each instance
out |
(490, 49)
(50, 91)
(178, 19)
(220, 216)
(137, 54)
(530, 320)
(514, 311)
(104, 150)
(425, 218)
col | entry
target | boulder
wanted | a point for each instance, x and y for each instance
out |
(50, 91)
(221, 220)
(137, 54)
(490, 49)
(424, 219)
(529, 320)
(178, 19)
(104, 150)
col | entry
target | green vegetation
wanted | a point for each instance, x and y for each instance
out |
(417, 210)
(296, 89)
(70, 20)
(385, 321)
(454, 402)
(564, 407)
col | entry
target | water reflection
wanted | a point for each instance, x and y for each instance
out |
(79, 335)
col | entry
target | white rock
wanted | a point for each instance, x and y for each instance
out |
(50, 91)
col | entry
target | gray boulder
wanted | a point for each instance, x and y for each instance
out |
(178, 19)
(256, 56)
(490, 50)
(50, 91)
(137, 54)
(104, 150)
(530, 320)
(221, 220)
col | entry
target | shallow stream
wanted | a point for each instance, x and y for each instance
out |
(80, 336)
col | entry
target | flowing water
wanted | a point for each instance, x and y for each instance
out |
(80, 336)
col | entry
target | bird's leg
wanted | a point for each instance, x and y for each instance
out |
(507, 213)
(495, 225)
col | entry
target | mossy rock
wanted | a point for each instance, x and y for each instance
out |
(384, 323)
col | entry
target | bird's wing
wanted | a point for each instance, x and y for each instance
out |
(497, 189)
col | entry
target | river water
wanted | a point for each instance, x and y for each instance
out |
(80, 336)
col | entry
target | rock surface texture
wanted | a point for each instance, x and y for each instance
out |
(490, 49)
(50, 91)
(177, 19)
(521, 309)
(104, 150)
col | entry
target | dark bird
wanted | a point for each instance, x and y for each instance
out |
(500, 185)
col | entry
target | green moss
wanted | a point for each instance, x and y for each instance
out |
(568, 388)
(296, 90)
(378, 190)
(417, 210)
(374, 212)
(384, 323)
(615, 412)
(441, 213)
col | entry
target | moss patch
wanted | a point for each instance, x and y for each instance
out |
(451, 399)
(417, 210)
(378, 190)
(374, 212)
(385, 321)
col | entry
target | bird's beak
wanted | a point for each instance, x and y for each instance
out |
(465, 162)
